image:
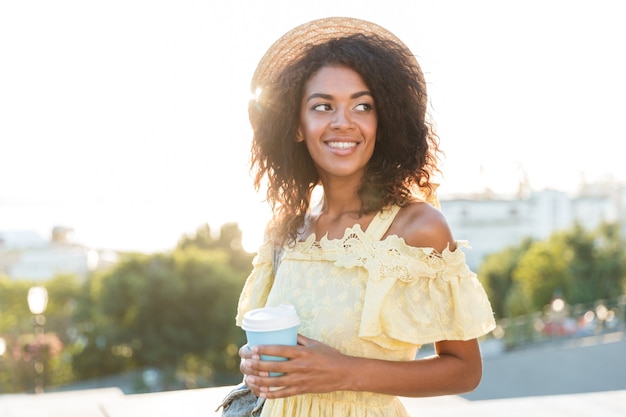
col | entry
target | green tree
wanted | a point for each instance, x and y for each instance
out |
(15, 316)
(169, 311)
(496, 274)
(611, 252)
(541, 270)
(582, 265)
(598, 268)
(229, 240)
(201, 239)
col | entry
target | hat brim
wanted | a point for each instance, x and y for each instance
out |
(290, 47)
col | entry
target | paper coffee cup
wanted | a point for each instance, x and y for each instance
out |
(272, 326)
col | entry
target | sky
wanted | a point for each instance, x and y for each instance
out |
(126, 120)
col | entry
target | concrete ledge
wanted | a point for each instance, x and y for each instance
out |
(87, 403)
(203, 402)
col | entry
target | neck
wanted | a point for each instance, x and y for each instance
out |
(339, 200)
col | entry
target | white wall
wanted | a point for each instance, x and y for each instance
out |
(491, 225)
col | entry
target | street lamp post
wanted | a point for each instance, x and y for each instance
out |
(37, 303)
(3, 347)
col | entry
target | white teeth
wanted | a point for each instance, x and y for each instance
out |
(342, 145)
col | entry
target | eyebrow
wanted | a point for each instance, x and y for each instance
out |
(330, 97)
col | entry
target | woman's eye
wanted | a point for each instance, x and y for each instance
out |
(363, 107)
(322, 107)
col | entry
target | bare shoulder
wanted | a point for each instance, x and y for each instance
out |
(422, 225)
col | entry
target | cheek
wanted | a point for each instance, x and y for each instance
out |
(310, 129)
(372, 128)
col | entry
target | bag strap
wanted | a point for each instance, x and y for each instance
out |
(277, 255)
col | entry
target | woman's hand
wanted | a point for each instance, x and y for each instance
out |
(313, 367)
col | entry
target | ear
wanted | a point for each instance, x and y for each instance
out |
(299, 135)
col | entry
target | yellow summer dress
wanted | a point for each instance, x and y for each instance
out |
(371, 298)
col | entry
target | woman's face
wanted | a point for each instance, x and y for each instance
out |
(338, 122)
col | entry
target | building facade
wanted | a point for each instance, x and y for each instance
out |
(25, 255)
(491, 224)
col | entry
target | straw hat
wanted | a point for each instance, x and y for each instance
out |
(290, 47)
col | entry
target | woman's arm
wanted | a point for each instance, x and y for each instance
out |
(316, 368)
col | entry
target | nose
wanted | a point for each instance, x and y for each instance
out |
(342, 119)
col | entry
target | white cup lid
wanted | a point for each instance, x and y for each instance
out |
(270, 318)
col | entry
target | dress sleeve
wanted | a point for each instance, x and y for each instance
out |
(258, 284)
(419, 297)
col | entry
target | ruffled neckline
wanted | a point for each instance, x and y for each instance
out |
(390, 241)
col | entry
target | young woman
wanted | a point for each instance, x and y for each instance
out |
(371, 266)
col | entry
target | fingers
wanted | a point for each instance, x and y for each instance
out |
(268, 387)
(263, 368)
(250, 367)
(250, 382)
(242, 351)
(245, 352)
(263, 376)
(304, 341)
(246, 355)
(283, 351)
(260, 382)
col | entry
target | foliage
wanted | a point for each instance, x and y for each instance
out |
(166, 311)
(541, 271)
(598, 267)
(15, 316)
(229, 240)
(581, 265)
(496, 274)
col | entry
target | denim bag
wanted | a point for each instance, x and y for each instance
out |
(241, 402)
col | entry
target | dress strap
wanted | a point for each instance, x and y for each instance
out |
(381, 222)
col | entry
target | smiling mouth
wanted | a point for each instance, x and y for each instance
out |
(342, 145)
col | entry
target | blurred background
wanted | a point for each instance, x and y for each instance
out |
(128, 221)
